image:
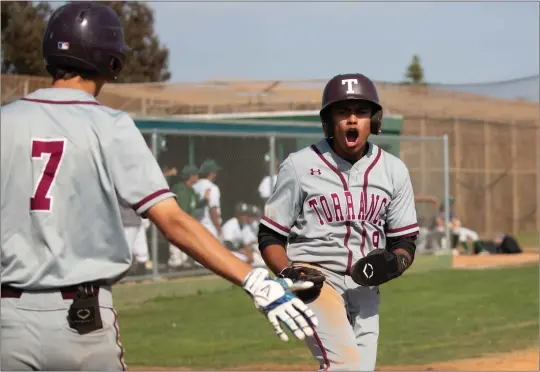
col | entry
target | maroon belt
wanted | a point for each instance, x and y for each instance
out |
(68, 293)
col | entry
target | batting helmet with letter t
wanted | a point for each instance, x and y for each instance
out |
(351, 87)
(85, 36)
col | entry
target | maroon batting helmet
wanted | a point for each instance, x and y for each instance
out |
(85, 36)
(351, 87)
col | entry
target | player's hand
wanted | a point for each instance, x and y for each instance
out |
(275, 299)
(378, 267)
(207, 194)
(306, 274)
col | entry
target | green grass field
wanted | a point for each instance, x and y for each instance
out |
(206, 323)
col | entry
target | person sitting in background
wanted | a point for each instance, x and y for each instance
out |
(209, 215)
(268, 182)
(251, 231)
(507, 244)
(254, 218)
(189, 201)
(238, 236)
(502, 244)
(463, 234)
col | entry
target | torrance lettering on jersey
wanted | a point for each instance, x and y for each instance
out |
(343, 208)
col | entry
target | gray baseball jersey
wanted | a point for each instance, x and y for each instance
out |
(335, 212)
(67, 164)
(130, 218)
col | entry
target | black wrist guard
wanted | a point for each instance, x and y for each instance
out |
(379, 267)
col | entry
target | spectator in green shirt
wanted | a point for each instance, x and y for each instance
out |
(189, 201)
(187, 198)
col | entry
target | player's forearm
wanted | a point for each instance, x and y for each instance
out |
(403, 252)
(195, 240)
(275, 258)
(403, 247)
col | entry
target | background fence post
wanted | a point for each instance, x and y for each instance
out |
(515, 194)
(154, 230)
(457, 165)
(538, 180)
(272, 154)
(26, 87)
(191, 150)
(488, 191)
(423, 157)
(446, 156)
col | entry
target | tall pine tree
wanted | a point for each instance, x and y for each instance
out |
(147, 61)
(415, 72)
(23, 23)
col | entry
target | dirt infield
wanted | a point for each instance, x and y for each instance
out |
(494, 260)
(525, 360)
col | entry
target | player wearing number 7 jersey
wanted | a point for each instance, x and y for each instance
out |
(67, 164)
(342, 215)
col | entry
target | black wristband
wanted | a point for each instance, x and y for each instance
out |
(267, 237)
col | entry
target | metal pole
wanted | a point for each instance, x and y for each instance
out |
(154, 230)
(446, 159)
(191, 150)
(538, 185)
(272, 152)
(143, 106)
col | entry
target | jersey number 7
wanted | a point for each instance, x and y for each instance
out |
(52, 151)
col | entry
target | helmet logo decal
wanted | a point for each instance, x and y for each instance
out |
(63, 45)
(349, 83)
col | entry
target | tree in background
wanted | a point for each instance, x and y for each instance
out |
(23, 23)
(415, 72)
(147, 61)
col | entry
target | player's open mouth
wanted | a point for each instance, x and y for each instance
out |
(351, 135)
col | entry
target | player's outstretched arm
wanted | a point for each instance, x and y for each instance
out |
(190, 236)
(273, 297)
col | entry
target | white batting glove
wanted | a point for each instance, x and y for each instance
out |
(275, 299)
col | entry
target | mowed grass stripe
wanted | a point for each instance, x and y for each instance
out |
(425, 317)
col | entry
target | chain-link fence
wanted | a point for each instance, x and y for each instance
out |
(249, 163)
(493, 171)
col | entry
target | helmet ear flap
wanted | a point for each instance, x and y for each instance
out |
(376, 122)
(326, 124)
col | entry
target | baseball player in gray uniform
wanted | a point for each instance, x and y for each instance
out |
(342, 215)
(67, 164)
